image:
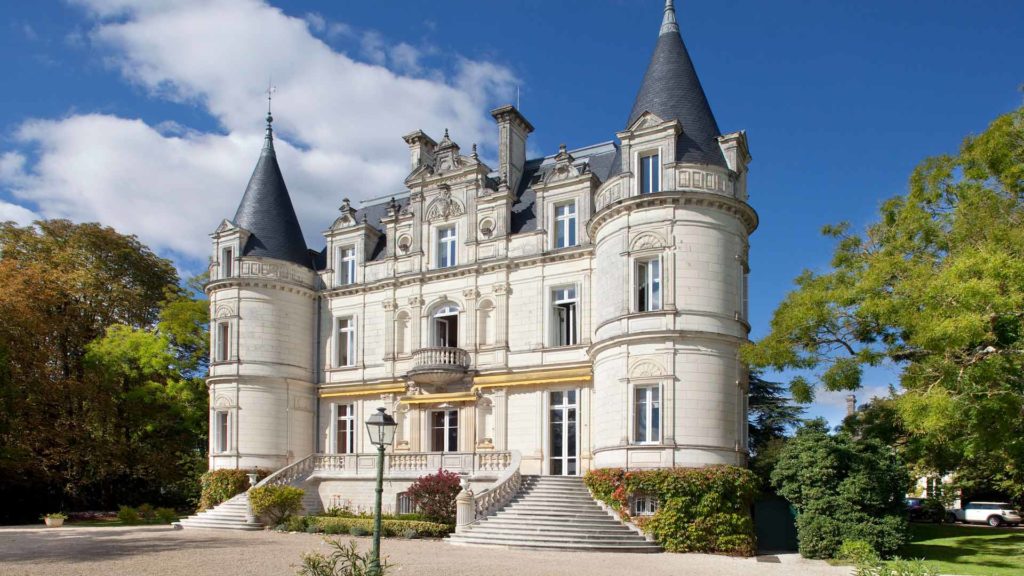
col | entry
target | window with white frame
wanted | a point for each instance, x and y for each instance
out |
(648, 285)
(447, 241)
(346, 263)
(404, 504)
(222, 341)
(644, 505)
(345, 352)
(565, 224)
(345, 429)
(221, 437)
(564, 317)
(650, 173)
(444, 431)
(227, 262)
(646, 414)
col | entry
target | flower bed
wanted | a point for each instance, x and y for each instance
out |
(344, 525)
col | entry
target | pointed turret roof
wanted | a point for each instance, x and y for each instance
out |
(672, 91)
(266, 211)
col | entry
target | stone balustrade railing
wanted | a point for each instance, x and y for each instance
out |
(440, 357)
(470, 508)
(409, 464)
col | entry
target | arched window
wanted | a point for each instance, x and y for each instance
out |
(446, 326)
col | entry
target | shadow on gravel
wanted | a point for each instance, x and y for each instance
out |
(99, 544)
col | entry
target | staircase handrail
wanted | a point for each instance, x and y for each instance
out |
(289, 473)
(503, 489)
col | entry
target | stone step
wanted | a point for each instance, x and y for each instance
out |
(647, 548)
(571, 535)
(553, 514)
(217, 526)
(553, 524)
(531, 504)
(551, 538)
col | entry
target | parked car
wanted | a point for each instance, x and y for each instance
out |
(991, 513)
(924, 510)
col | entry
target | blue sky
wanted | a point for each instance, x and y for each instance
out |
(149, 117)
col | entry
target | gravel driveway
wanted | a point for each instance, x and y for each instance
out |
(157, 550)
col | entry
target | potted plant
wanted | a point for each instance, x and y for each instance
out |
(55, 520)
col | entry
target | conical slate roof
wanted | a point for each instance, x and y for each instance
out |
(266, 211)
(672, 91)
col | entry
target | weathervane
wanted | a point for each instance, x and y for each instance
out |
(271, 89)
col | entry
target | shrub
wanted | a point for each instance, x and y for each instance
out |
(220, 485)
(165, 515)
(410, 534)
(388, 528)
(145, 512)
(295, 524)
(857, 552)
(128, 515)
(896, 568)
(357, 530)
(56, 516)
(843, 489)
(699, 509)
(434, 496)
(345, 560)
(275, 503)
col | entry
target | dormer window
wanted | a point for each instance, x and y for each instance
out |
(650, 173)
(447, 240)
(227, 262)
(346, 265)
(565, 225)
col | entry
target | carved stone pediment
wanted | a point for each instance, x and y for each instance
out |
(226, 226)
(566, 167)
(646, 120)
(445, 206)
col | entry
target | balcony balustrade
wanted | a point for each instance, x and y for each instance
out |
(439, 365)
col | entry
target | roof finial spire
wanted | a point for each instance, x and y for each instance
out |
(270, 119)
(668, 22)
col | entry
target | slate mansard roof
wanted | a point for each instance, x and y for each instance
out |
(266, 211)
(672, 91)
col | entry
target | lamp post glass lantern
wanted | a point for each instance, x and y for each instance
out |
(381, 428)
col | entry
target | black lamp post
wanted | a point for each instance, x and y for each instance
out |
(381, 427)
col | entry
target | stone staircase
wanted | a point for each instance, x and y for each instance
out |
(228, 515)
(554, 512)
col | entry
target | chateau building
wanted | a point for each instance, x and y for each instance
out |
(575, 311)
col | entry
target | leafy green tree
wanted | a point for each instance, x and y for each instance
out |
(936, 288)
(771, 412)
(101, 358)
(843, 489)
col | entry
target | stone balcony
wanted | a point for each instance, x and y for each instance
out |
(409, 465)
(438, 365)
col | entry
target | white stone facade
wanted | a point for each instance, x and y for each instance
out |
(604, 286)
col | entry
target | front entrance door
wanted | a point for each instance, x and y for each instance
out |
(564, 443)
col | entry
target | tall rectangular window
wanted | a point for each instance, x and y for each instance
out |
(648, 285)
(565, 321)
(221, 431)
(223, 341)
(227, 263)
(444, 431)
(346, 265)
(650, 174)
(345, 429)
(565, 225)
(646, 415)
(446, 244)
(346, 351)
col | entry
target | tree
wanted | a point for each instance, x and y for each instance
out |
(843, 489)
(770, 412)
(936, 288)
(99, 368)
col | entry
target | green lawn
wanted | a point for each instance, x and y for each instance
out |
(968, 550)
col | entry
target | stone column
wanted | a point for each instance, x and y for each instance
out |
(470, 336)
(389, 331)
(465, 508)
(416, 303)
(501, 293)
(499, 407)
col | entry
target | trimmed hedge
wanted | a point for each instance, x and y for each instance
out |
(389, 528)
(275, 503)
(699, 509)
(220, 485)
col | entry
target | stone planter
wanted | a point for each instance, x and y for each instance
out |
(54, 522)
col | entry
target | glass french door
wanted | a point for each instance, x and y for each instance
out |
(564, 460)
(444, 428)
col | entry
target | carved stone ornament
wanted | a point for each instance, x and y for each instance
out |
(646, 369)
(647, 240)
(565, 167)
(444, 206)
(609, 195)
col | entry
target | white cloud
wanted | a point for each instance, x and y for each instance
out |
(170, 184)
(19, 214)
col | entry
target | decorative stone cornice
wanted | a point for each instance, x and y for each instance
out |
(731, 206)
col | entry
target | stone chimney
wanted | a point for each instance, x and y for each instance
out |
(421, 149)
(513, 128)
(851, 404)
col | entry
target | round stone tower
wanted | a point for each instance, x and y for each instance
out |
(671, 243)
(262, 322)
